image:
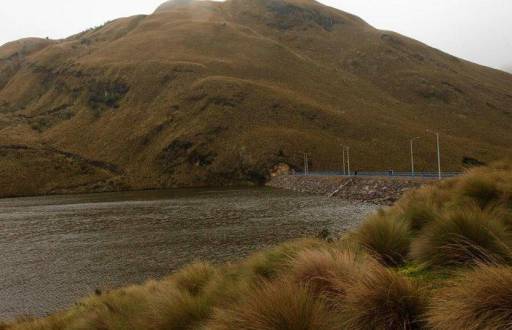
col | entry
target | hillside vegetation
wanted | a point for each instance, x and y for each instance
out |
(217, 93)
(440, 258)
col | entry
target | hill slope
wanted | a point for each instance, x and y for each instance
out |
(210, 93)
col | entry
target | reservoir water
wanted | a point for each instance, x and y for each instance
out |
(55, 250)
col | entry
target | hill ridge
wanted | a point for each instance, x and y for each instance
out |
(145, 94)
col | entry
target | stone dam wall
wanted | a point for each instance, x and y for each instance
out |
(377, 190)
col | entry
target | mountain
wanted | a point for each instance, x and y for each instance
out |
(218, 93)
(508, 69)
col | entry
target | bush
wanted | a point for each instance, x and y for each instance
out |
(463, 237)
(386, 238)
(280, 305)
(383, 299)
(328, 273)
(479, 299)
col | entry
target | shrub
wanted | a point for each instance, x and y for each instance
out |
(386, 238)
(383, 299)
(326, 272)
(463, 237)
(479, 299)
(280, 305)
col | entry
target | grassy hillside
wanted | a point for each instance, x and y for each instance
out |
(439, 259)
(218, 93)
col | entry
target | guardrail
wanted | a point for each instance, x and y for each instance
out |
(426, 175)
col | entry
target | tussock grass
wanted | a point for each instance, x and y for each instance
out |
(269, 264)
(329, 273)
(386, 238)
(383, 299)
(463, 237)
(419, 215)
(482, 189)
(478, 299)
(195, 277)
(279, 305)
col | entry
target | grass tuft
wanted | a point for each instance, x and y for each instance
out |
(328, 273)
(418, 214)
(479, 299)
(482, 189)
(386, 238)
(194, 277)
(269, 264)
(463, 237)
(383, 299)
(279, 305)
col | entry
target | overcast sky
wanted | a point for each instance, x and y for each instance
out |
(477, 30)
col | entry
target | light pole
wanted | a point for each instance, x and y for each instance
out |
(306, 164)
(348, 160)
(344, 161)
(438, 154)
(412, 155)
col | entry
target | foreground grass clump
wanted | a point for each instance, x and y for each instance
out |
(456, 222)
(478, 299)
(386, 238)
(279, 305)
(329, 273)
(383, 299)
(463, 237)
(439, 259)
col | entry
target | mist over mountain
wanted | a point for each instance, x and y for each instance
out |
(218, 93)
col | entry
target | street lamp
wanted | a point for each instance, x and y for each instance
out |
(348, 160)
(344, 161)
(438, 153)
(306, 164)
(412, 154)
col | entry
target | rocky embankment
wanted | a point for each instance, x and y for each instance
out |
(377, 190)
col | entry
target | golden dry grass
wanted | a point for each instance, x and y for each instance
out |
(280, 305)
(387, 238)
(217, 93)
(464, 237)
(328, 273)
(477, 299)
(383, 299)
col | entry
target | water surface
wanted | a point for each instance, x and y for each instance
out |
(55, 250)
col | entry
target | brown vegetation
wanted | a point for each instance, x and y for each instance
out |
(217, 93)
(477, 299)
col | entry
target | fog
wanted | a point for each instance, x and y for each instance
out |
(476, 30)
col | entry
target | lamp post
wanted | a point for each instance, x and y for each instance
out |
(439, 156)
(348, 160)
(344, 161)
(412, 155)
(440, 175)
(306, 164)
